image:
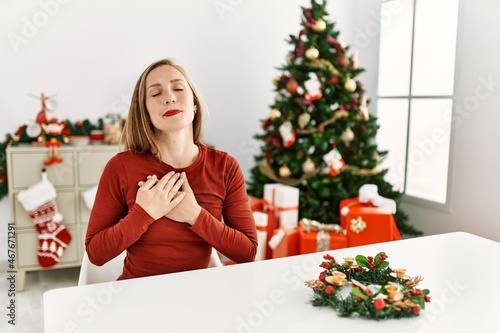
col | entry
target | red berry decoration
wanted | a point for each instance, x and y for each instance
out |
(415, 309)
(329, 258)
(322, 277)
(326, 265)
(379, 304)
(368, 292)
(329, 290)
(427, 299)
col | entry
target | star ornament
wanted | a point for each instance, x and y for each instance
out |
(358, 225)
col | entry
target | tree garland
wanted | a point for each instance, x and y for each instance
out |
(377, 291)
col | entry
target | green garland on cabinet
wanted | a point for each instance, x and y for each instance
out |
(78, 128)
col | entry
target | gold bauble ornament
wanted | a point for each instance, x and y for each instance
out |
(319, 25)
(348, 135)
(276, 80)
(303, 120)
(285, 172)
(275, 113)
(308, 166)
(312, 53)
(350, 85)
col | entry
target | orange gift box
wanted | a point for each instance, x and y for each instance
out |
(314, 238)
(287, 243)
(366, 224)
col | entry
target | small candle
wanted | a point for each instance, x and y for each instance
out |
(349, 261)
(336, 278)
(400, 273)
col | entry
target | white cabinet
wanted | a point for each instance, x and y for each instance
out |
(80, 170)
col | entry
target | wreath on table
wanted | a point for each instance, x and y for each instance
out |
(368, 287)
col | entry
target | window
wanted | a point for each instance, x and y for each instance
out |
(415, 90)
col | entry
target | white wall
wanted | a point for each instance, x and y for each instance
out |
(91, 53)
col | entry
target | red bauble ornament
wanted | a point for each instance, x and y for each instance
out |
(329, 290)
(343, 61)
(415, 309)
(379, 304)
(322, 277)
(292, 86)
(334, 80)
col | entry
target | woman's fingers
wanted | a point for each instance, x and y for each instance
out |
(177, 199)
(149, 183)
(160, 196)
(175, 188)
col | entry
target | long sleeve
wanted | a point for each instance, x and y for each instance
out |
(235, 236)
(112, 226)
(163, 246)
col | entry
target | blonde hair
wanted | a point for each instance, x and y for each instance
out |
(138, 132)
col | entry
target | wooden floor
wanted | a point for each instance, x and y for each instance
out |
(29, 303)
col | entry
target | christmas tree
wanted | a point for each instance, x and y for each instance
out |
(319, 136)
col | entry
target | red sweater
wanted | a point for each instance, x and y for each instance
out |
(117, 223)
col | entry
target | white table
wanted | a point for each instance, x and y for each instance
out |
(460, 269)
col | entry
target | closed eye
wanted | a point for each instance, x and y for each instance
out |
(154, 95)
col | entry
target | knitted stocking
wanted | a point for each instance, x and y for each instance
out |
(53, 237)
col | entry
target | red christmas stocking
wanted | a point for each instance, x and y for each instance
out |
(53, 237)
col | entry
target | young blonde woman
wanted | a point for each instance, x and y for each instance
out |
(167, 198)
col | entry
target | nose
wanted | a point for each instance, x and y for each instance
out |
(169, 99)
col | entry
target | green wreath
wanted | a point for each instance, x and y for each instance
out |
(377, 291)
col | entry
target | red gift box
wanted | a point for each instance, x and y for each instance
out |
(318, 237)
(366, 224)
(257, 205)
(284, 243)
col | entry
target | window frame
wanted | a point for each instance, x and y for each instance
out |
(407, 198)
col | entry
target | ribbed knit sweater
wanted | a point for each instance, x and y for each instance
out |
(162, 246)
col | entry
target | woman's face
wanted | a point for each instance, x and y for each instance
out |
(169, 100)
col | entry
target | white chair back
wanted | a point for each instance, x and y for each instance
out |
(110, 271)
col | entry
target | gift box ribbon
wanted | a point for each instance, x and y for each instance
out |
(270, 206)
(323, 229)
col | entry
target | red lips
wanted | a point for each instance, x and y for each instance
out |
(171, 113)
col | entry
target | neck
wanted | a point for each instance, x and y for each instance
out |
(178, 152)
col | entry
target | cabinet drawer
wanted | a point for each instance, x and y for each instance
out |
(91, 165)
(28, 242)
(28, 168)
(65, 204)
